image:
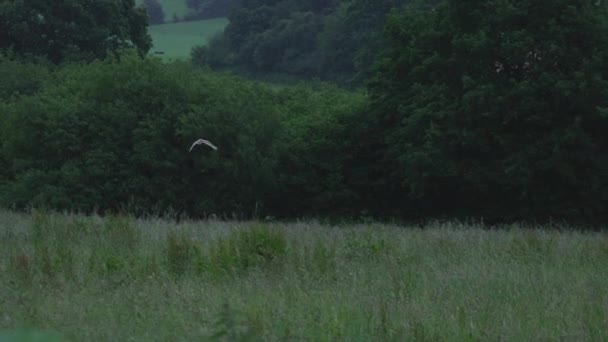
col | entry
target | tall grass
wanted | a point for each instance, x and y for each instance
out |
(119, 278)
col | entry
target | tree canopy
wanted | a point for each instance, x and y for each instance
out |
(72, 30)
(497, 107)
(204, 9)
(115, 135)
(155, 11)
(334, 40)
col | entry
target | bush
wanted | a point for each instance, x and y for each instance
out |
(21, 78)
(115, 135)
(316, 151)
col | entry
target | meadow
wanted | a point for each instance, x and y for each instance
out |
(120, 278)
(176, 40)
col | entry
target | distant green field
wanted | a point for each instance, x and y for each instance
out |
(177, 39)
(171, 8)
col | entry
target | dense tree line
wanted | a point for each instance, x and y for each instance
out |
(72, 31)
(156, 14)
(473, 109)
(497, 108)
(115, 135)
(206, 9)
(335, 40)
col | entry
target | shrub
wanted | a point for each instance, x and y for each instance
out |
(115, 134)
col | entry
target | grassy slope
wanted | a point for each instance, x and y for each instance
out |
(117, 279)
(176, 40)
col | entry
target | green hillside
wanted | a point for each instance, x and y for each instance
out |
(176, 40)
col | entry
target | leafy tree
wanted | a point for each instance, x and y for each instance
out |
(315, 151)
(21, 78)
(17, 79)
(217, 54)
(203, 9)
(329, 39)
(289, 46)
(155, 12)
(273, 36)
(351, 36)
(496, 108)
(68, 30)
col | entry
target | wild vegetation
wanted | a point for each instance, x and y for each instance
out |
(115, 135)
(72, 31)
(334, 40)
(470, 110)
(420, 113)
(118, 278)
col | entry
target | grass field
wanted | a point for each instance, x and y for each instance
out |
(176, 40)
(88, 278)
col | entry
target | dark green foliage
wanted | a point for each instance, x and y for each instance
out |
(496, 109)
(265, 39)
(17, 79)
(156, 15)
(115, 135)
(216, 53)
(475, 109)
(72, 30)
(351, 36)
(333, 40)
(21, 78)
(316, 151)
(205, 9)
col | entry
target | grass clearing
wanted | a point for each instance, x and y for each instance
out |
(119, 278)
(176, 40)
